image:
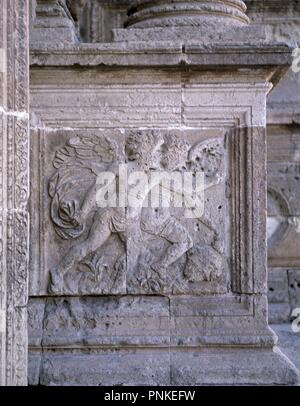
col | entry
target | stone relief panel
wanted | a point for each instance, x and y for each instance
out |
(94, 258)
(138, 243)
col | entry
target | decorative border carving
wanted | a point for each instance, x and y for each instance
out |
(15, 192)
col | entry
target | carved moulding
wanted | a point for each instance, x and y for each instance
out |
(14, 191)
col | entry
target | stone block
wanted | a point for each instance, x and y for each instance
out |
(102, 367)
(294, 287)
(98, 321)
(279, 313)
(159, 367)
(246, 367)
(288, 342)
(278, 291)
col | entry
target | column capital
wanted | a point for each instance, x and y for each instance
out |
(178, 13)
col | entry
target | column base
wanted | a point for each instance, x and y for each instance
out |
(53, 24)
(202, 35)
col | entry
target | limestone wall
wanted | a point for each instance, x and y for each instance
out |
(282, 20)
(282, 23)
(150, 296)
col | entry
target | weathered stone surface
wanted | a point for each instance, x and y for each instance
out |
(118, 263)
(283, 294)
(278, 286)
(196, 20)
(104, 367)
(278, 313)
(279, 17)
(53, 22)
(167, 54)
(36, 315)
(289, 342)
(294, 287)
(99, 321)
(246, 367)
(278, 295)
(219, 126)
(76, 7)
(158, 367)
(200, 147)
(200, 34)
(14, 190)
(100, 17)
(142, 321)
(284, 214)
(139, 295)
(34, 368)
(282, 22)
(165, 13)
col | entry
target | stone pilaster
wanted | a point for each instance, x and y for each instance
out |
(14, 187)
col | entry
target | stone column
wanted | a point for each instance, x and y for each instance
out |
(14, 170)
(201, 20)
(100, 17)
(54, 22)
(178, 13)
